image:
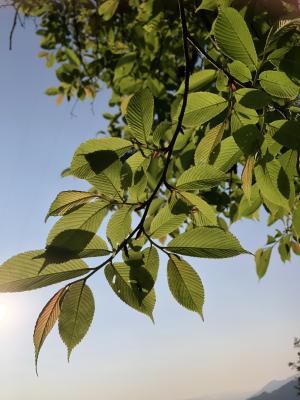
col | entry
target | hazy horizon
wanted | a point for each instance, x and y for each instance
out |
(247, 337)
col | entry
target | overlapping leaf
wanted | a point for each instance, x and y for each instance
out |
(202, 176)
(23, 272)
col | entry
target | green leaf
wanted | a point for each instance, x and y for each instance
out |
(73, 57)
(278, 84)
(108, 176)
(94, 151)
(202, 107)
(240, 71)
(199, 80)
(249, 139)
(68, 201)
(46, 321)
(108, 9)
(202, 177)
(296, 221)
(139, 115)
(23, 272)
(73, 232)
(272, 180)
(165, 222)
(119, 278)
(262, 260)
(287, 133)
(290, 63)
(209, 143)
(226, 155)
(207, 212)
(206, 242)
(233, 37)
(185, 284)
(119, 225)
(77, 312)
(252, 98)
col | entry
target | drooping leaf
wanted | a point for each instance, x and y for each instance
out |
(119, 225)
(247, 177)
(202, 107)
(46, 321)
(272, 182)
(262, 260)
(68, 201)
(185, 284)
(119, 277)
(77, 312)
(22, 272)
(233, 37)
(278, 84)
(206, 242)
(139, 115)
(202, 176)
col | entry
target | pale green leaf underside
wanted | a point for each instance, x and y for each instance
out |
(22, 272)
(206, 242)
(185, 285)
(76, 315)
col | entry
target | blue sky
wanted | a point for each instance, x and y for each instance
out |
(246, 339)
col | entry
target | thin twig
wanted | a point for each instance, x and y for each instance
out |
(216, 64)
(13, 28)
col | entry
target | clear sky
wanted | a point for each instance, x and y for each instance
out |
(246, 339)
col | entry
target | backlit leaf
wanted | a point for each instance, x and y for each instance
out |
(46, 321)
(206, 242)
(233, 37)
(23, 272)
(202, 176)
(185, 284)
(139, 115)
(77, 312)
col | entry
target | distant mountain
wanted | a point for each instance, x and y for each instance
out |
(274, 385)
(285, 392)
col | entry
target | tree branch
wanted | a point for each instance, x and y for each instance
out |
(139, 229)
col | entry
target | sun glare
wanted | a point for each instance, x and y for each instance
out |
(3, 312)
